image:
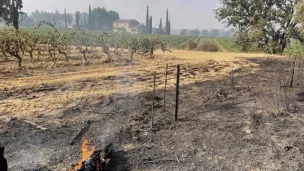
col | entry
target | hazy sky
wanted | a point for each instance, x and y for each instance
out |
(183, 13)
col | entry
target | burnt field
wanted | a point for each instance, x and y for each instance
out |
(236, 113)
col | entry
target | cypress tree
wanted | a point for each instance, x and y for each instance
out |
(150, 25)
(90, 18)
(147, 20)
(167, 22)
(85, 22)
(69, 19)
(169, 27)
(65, 18)
(77, 19)
(161, 23)
(54, 21)
(92, 23)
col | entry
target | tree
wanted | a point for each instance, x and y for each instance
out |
(270, 23)
(205, 33)
(160, 24)
(214, 33)
(65, 18)
(299, 17)
(147, 20)
(103, 19)
(194, 33)
(54, 21)
(92, 22)
(133, 23)
(90, 18)
(27, 21)
(183, 32)
(77, 19)
(167, 22)
(159, 31)
(113, 16)
(69, 19)
(85, 20)
(150, 25)
(10, 11)
(169, 27)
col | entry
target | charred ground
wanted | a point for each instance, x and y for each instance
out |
(225, 123)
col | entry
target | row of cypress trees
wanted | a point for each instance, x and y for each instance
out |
(149, 27)
(90, 19)
(167, 29)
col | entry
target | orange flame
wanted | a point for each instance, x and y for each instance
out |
(86, 152)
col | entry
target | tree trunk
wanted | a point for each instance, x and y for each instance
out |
(4, 55)
(293, 72)
(19, 62)
(22, 50)
(31, 54)
(66, 56)
(151, 52)
(132, 52)
(16, 24)
(18, 57)
(85, 58)
(50, 53)
(283, 47)
(15, 17)
(274, 51)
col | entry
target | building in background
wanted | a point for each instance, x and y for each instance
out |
(131, 26)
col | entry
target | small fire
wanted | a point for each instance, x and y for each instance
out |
(86, 152)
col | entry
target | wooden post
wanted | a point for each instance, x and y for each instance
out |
(293, 71)
(177, 92)
(152, 116)
(232, 79)
(164, 107)
(3, 162)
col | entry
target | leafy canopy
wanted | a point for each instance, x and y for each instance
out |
(269, 24)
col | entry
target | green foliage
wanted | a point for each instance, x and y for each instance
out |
(150, 25)
(54, 22)
(10, 10)
(295, 49)
(205, 33)
(133, 23)
(90, 19)
(214, 33)
(207, 45)
(103, 19)
(183, 32)
(65, 18)
(160, 24)
(270, 24)
(228, 44)
(193, 33)
(159, 31)
(77, 20)
(147, 20)
(167, 23)
(169, 27)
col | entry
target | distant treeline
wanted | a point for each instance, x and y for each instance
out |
(95, 19)
(206, 33)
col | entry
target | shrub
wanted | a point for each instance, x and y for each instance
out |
(192, 45)
(207, 46)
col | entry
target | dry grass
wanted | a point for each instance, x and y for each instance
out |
(86, 84)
